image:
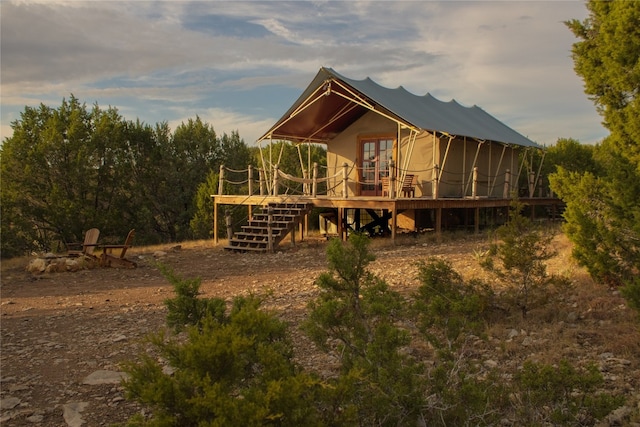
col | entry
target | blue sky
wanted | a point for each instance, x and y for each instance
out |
(240, 65)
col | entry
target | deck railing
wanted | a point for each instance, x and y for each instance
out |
(472, 185)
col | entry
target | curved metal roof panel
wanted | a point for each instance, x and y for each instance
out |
(424, 112)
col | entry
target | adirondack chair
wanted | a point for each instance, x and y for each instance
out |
(87, 247)
(108, 259)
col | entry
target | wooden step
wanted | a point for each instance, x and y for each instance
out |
(254, 236)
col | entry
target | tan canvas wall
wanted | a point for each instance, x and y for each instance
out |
(491, 159)
(457, 174)
(345, 149)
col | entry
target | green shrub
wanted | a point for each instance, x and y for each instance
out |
(236, 370)
(562, 395)
(448, 307)
(186, 308)
(518, 261)
(356, 317)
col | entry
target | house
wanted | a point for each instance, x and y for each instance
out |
(394, 156)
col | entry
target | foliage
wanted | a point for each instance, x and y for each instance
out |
(517, 260)
(355, 316)
(562, 395)
(234, 369)
(186, 309)
(603, 208)
(571, 156)
(449, 309)
(72, 168)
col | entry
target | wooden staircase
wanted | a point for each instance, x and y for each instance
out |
(254, 237)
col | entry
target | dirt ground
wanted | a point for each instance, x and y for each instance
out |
(59, 329)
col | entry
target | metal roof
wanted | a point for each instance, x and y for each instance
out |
(332, 102)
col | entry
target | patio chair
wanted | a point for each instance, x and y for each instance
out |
(85, 248)
(108, 259)
(409, 185)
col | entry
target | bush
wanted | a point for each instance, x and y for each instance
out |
(236, 369)
(562, 395)
(518, 261)
(356, 317)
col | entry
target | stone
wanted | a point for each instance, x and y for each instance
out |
(104, 377)
(9, 403)
(71, 413)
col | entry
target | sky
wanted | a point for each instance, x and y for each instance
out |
(240, 65)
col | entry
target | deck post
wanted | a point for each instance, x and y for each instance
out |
(345, 179)
(215, 220)
(532, 183)
(339, 222)
(507, 184)
(250, 179)
(392, 180)
(269, 229)
(221, 181)
(476, 221)
(227, 220)
(261, 176)
(275, 180)
(314, 188)
(394, 223)
(439, 224)
(434, 182)
(474, 184)
(539, 187)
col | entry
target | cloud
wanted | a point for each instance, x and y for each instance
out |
(245, 62)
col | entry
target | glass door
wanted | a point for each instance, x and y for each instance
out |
(376, 155)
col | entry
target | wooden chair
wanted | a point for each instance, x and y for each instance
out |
(108, 259)
(385, 186)
(87, 247)
(409, 185)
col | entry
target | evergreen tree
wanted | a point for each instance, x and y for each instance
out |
(603, 205)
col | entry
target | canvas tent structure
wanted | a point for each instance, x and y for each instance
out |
(400, 153)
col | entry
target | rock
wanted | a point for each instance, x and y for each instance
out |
(35, 419)
(104, 377)
(72, 265)
(159, 254)
(9, 403)
(37, 265)
(71, 413)
(513, 333)
(490, 364)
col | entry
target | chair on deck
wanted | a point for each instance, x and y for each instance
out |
(85, 248)
(108, 259)
(409, 185)
(385, 186)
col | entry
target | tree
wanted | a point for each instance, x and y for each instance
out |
(603, 207)
(518, 260)
(356, 316)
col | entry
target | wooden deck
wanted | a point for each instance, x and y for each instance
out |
(392, 206)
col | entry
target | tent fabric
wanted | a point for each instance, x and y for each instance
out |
(332, 113)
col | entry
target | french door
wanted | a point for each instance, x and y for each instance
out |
(376, 154)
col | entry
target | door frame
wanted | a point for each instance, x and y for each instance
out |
(368, 188)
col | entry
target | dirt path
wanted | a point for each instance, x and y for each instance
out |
(59, 328)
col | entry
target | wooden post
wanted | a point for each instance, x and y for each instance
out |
(506, 192)
(215, 220)
(532, 183)
(250, 180)
(227, 219)
(394, 223)
(314, 189)
(539, 187)
(439, 224)
(434, 182)
(269, 229)
(262, 180)
(476, 221)
(275, 180)
(345, 180)
(474, 183)
(339, 222)
(392, 179)
(221, 181)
